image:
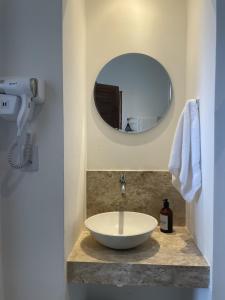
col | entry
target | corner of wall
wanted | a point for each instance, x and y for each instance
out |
(75, 153)
(200, 83)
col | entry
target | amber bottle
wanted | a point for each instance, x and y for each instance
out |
(166, 218)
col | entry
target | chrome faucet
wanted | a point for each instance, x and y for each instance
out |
(123, 184)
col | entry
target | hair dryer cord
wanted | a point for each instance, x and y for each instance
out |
(26, 155)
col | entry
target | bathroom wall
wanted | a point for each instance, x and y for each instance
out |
(74, 101)
(1, 242)
(201, 47)
(142, 293)
(2, 135)
(1, 258)
(74, 86)
(32, 203)
(153, 27)
(219, 189)
(1, 267)
(201, 84)
(1, 23)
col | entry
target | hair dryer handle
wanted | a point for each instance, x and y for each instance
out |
(24, 114)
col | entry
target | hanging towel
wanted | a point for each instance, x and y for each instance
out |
(185, 157)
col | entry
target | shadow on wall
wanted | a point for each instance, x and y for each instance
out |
(64, 6)
(103, 292)
(95, 292)
(76, 292)
(7, 133)
(4, 144)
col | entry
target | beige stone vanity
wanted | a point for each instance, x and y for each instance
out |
(164, 260)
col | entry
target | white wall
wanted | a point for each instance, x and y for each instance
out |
(32, 204)
(153, 27)
(1, 25)
(74, 68)
(74, 101)
(201, 84)
(1, 258)
(201, 47)
(219, 191)
(1, 242)
(134, 293)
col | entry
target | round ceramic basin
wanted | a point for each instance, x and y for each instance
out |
(121, 230)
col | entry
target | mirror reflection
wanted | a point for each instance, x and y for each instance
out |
(132, 93)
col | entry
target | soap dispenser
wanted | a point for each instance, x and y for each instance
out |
(166, 218)
(128, 127)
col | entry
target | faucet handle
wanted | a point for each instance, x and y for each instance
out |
(122, 178)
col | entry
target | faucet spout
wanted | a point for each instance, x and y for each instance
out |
(123, 184)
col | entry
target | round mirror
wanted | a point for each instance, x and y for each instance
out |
(133, 92)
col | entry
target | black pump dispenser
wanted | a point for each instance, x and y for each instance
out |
(166, 203)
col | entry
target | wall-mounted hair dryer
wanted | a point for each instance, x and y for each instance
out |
(30, 91)
(18, 98)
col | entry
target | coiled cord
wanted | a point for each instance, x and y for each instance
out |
(27, 153)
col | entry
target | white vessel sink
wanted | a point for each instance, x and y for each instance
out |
(121, 230)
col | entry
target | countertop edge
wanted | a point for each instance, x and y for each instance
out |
(82, 267)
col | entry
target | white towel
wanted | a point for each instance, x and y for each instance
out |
(185, 157)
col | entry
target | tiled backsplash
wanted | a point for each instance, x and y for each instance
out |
(145, 191)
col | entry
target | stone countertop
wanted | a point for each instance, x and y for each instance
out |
(164, 260)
